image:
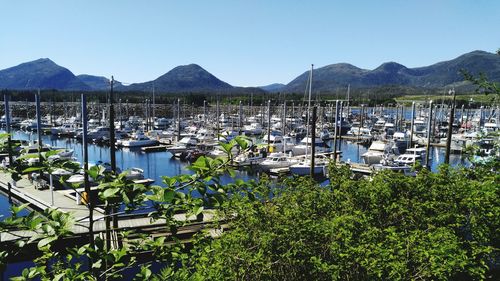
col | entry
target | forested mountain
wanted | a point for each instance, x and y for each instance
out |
(438, 75)
(40, 74)
(184, 78)
(192, 78)
(97, 83)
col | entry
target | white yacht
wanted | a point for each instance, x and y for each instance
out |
(377, 150)
(138, 139)
(254, 128)
(277, 160)
(305, 144)
(303, 167)
(278, 142)
(183, 144)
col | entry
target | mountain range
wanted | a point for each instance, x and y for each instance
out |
(439, 75)
(45, 74)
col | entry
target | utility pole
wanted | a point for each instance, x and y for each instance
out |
(411, 123)
(6, 98)
(240, 121)
(39, 124)
(112, 148)
(429, 130)
(217, 118)
(335, 131)
(86, 182)
(154, 105)
(268, 125)
(450, 128)
(178, 119)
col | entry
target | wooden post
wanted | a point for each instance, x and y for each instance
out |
(86, 183)
(284, 119)
(429, 130)
(336, 131)
(268, 125)
(9, 188)
(112, 148)
(340, 127)
(6, 98)
(217, 120)
(38, 124)
(412, 121)
(240, 119)
(178, 119)
(450, 129)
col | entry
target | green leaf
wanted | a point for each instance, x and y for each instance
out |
(16, 209)
(97, 264)
(46, 241)
(32, 169)
(197, 210)
(110, 192)
(242, 142)
(168, 196)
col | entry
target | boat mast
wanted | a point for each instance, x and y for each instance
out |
(309, 107)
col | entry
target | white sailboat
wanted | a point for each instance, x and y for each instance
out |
(304, 166)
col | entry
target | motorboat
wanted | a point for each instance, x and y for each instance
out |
(377, 150)
(134, 173)
(138, 139)
(278, 142)
(254, 128)
(305, 144)
(277, 160)
(248, 159)
(183, 144)
(401, 139)
(303, 167)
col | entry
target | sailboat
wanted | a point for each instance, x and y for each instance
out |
(305, 165)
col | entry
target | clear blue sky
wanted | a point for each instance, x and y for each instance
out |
(245, 43)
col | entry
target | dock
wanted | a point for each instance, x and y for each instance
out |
(65, 200)
(157, 148)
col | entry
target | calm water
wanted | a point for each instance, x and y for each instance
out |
(154, 164)
(158, 164)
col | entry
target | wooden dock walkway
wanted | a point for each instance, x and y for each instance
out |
(157, 148)
(64, 200)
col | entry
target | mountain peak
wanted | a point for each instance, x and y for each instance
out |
(391, 67)
(438, 75)
(184, 78)
(42, 73)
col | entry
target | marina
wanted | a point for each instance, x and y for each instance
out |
(280, 147)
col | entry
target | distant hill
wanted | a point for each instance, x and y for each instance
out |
(276, 87)
(184, 78)
(97, 83)
(42, 74)
(192, 78)
(439, 75)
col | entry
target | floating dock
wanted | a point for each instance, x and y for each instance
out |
(157, 148)
(65, 200)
